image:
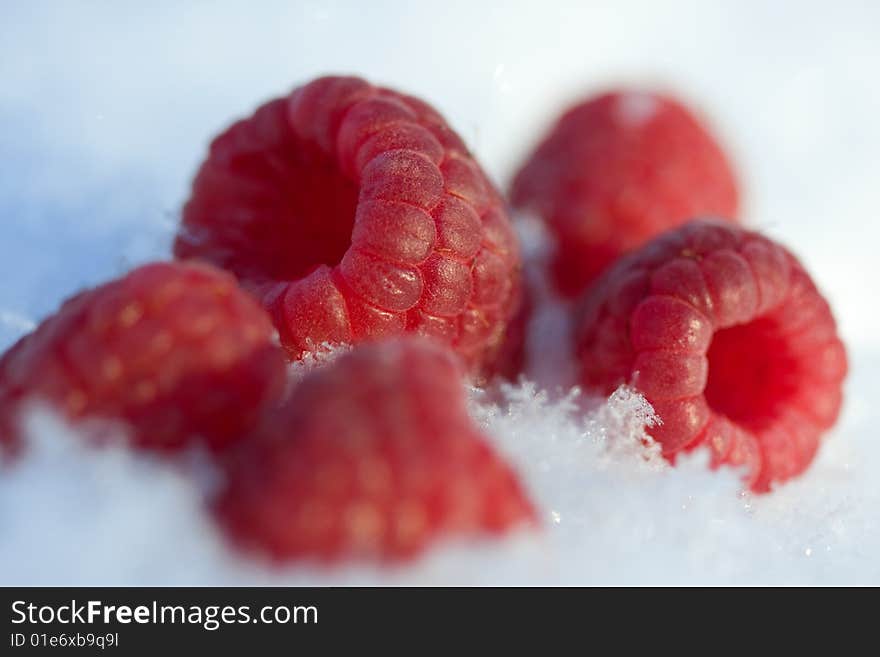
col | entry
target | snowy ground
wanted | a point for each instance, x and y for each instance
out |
(106, 110)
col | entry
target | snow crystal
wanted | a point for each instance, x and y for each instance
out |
(319, 356)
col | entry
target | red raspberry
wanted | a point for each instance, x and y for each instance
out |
(175, 350)
(726, 335)
(373, 456)
(511, 357)
(355, 212)
(617, 170)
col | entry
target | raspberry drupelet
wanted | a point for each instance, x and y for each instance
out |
(615, 171)
(354, 212)
(726, 335)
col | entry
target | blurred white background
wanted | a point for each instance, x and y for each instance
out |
(106, 108)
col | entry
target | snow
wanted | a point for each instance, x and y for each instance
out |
(108, 109)
(612, 511)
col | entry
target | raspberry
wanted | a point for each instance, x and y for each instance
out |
(355, 213)
(177, 351)
(373, 456)
(617, 170)
(511, 359)
(727, 336)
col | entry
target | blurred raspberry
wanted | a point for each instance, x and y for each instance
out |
(177, 351)
(616, 170)
(373, 456)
